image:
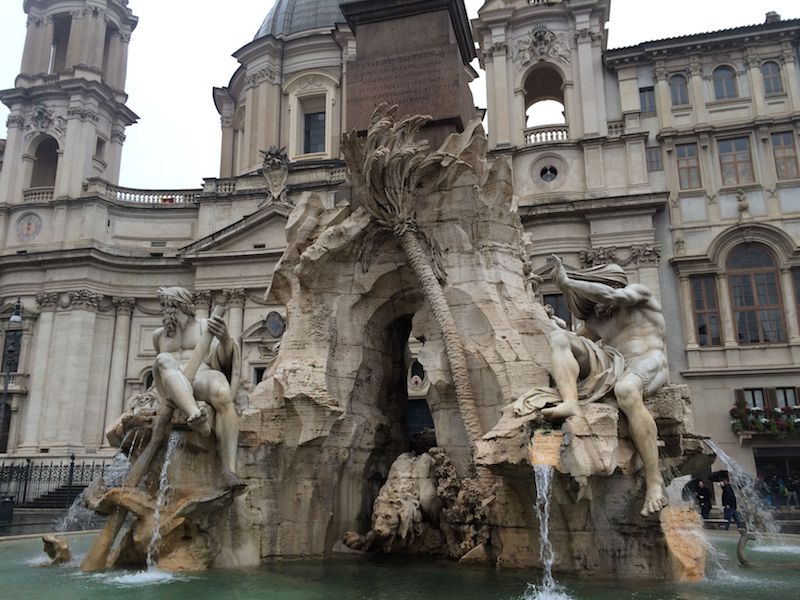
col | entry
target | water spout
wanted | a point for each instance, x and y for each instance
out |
(161, 500)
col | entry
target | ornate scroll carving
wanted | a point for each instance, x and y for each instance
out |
(644, 254)
(276, 173)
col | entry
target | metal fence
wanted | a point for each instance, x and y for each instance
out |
(51, 484)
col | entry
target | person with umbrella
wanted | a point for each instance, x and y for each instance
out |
(703, 496)
(729, 504)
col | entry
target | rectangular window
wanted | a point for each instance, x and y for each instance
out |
(783, 149)
(313, 132)
(258, 374)
(654, 163)
(100, 149)
(647, 101)
(785, 397)
(559, 307)
(688, 166)
(706, 310)
(754, 398)
(735, 161)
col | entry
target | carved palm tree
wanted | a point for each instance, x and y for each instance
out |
(390, 172)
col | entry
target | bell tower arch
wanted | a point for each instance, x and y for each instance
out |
(70, 91)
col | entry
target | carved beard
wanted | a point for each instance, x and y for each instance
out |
(170, 322)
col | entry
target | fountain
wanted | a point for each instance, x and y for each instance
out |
(317, 462)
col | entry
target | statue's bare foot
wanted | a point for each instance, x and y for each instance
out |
(655, 500)
(562, 411)
(199, 422)
(234, 483)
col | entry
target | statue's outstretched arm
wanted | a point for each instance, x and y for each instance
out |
(630, 295)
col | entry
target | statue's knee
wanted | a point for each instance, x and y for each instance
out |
(164, 361)
(628, 393)
(559, 340)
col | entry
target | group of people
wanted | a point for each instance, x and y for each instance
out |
(779, 492)
(702, 496)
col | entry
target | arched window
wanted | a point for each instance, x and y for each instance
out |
(725, 83)
(678, 90)
(771, 72)
(544, 98)
(45, 163)
(756, 299)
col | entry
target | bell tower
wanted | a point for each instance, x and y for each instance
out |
(67, 110)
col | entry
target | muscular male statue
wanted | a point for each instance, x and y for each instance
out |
(216, 378)
(620, 347)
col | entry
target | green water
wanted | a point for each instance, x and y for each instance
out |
(776, 577)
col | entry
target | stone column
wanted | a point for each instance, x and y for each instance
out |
(76, 48)
(111, 73)
(77, 369)
(664, 105)
(33, 45)
(756, 85)
(114, 158)
(698, 90)
(97, 39)
(689, 325)
(589, 99)
(789, 76)
(46, 47)
(503, 96)
(39, 372)
(115, 401)
(236, 300)
(122, 65)
(202, 303)
(790, 306)
(726, 313)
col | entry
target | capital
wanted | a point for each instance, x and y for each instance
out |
(47, 300)
(235, 297)
(124, 306)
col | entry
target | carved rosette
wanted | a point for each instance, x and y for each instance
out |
(124, 306)
(644, 254)
(46, 301)
(235, 297)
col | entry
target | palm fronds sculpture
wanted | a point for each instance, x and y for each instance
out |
(390, 172)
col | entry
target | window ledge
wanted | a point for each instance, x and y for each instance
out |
(787, 183)
(735, 187)
(311, 156)
(681, 107)
(776, 96)
(728, 101)
(692, 192)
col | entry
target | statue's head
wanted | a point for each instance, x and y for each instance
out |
(177, 308)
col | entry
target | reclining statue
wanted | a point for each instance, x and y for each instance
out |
(621, 348)
(216, 379)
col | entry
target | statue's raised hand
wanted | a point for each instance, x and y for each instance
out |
(559, 272)
(217, 327)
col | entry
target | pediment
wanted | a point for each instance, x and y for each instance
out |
(262, 231)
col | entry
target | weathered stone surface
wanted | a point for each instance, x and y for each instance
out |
(57, 549)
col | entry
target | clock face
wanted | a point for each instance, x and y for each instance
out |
(28, 227)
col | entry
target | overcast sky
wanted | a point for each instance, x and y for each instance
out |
(180, 51)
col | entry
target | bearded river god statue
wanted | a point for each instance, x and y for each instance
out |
(182, 484)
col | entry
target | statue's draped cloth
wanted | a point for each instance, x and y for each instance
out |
(605, 363)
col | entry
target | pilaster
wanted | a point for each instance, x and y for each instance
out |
(202, 303)
(689, 327)
(236, 300)
(115, 400)
(724, 294)
(40, 372)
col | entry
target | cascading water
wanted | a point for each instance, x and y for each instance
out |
(78, 517)
(548, 590)
(161, 499)
(755, 512)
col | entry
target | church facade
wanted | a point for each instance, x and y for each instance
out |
(675, 158)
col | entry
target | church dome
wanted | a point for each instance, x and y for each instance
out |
(293, 16)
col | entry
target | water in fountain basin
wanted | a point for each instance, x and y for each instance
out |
(161, 499)
(755, 512)
(548, 590)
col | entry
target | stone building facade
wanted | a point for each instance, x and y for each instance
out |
(675, 158)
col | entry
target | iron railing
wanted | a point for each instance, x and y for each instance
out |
(52, 484)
